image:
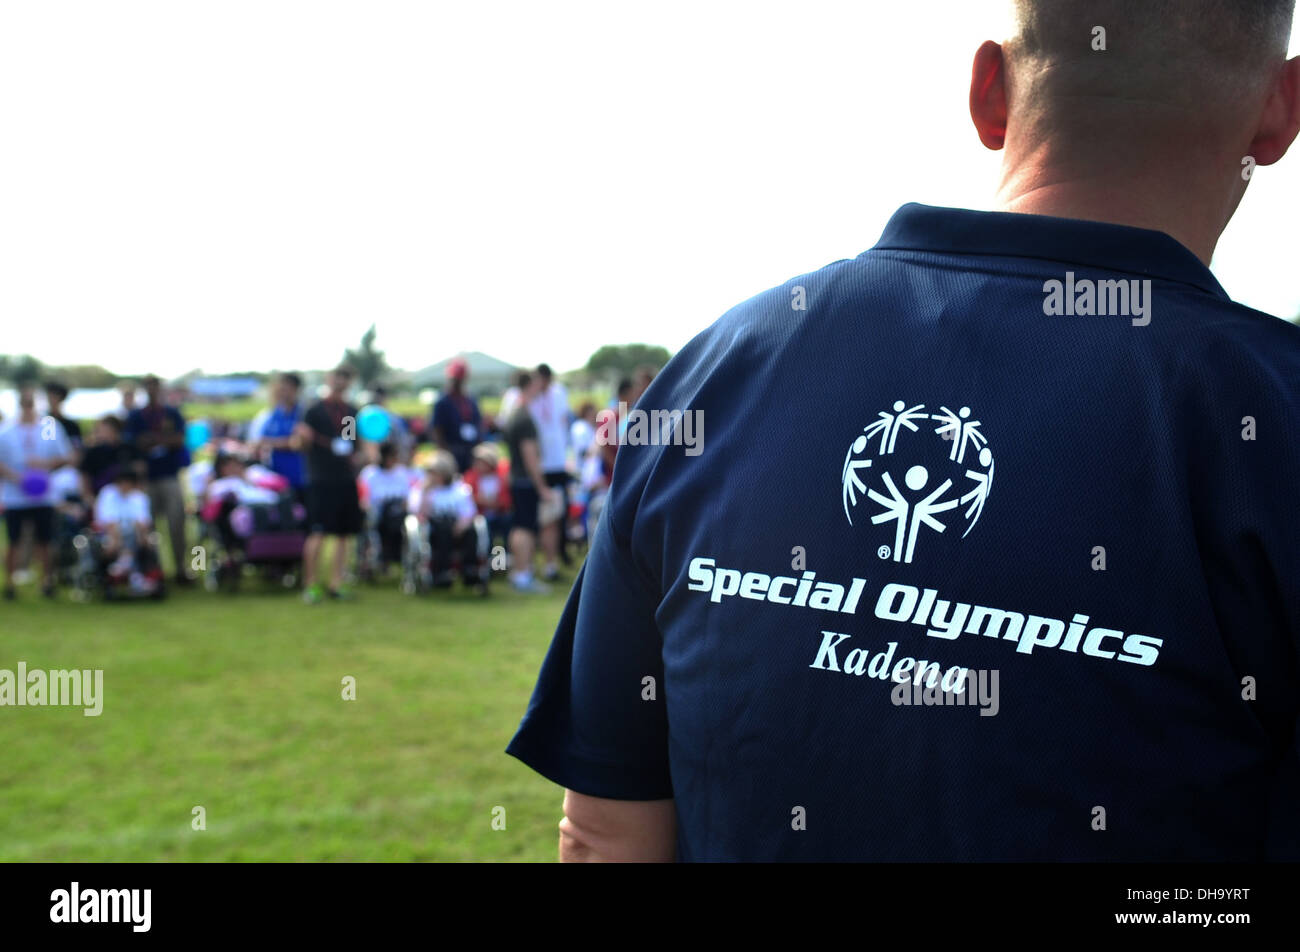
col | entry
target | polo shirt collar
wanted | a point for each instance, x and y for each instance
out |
(1098, 245)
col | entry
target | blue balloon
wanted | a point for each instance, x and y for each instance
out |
(197, 432)
(374, 424)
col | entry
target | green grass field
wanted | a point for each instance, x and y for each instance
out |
(233, 703)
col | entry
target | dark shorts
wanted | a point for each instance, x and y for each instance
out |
(525, 499)
(40, 517)
(333, 508)
(559, 481)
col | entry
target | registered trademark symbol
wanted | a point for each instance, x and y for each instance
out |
(883, 552)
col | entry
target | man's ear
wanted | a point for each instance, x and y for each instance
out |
(988, 95)
(1280, 121)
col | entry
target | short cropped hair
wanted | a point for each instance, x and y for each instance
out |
(1178, 52)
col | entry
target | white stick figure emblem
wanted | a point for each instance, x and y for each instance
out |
(924, 494)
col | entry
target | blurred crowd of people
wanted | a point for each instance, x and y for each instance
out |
(525, 484)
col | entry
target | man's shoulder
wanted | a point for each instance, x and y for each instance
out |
(1228, 320)
(760, 324)
(521, 420)
(1220, 339)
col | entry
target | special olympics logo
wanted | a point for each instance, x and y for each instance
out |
(928, 491)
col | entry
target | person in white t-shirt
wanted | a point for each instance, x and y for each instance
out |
(124, 521)
(582, 434)
(444, 504)
(386, 480)
(31, 448)
(385, 487)
(122, 507)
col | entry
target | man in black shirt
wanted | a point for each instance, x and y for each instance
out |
(328, 436)
(528, 489)
(55, 394)
(107, 456)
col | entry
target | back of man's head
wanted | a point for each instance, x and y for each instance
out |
(1071, 60)
(1138, 112)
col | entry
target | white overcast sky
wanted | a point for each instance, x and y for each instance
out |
(247, 185)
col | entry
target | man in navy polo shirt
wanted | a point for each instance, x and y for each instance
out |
(1032, 592)
(457, 424)
(157, 432)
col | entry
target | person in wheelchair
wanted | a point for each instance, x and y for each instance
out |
(384, 488)
(72, 518)
(123, 523)
(451, 525)
(231, 487)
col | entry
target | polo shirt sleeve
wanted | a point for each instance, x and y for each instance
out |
(593, 725)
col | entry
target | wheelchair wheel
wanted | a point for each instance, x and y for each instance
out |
(416, 575)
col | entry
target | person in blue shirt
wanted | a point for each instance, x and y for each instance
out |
(272, 431)
(991, 547)
(157, 432)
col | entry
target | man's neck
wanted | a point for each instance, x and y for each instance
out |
(1190, 202)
